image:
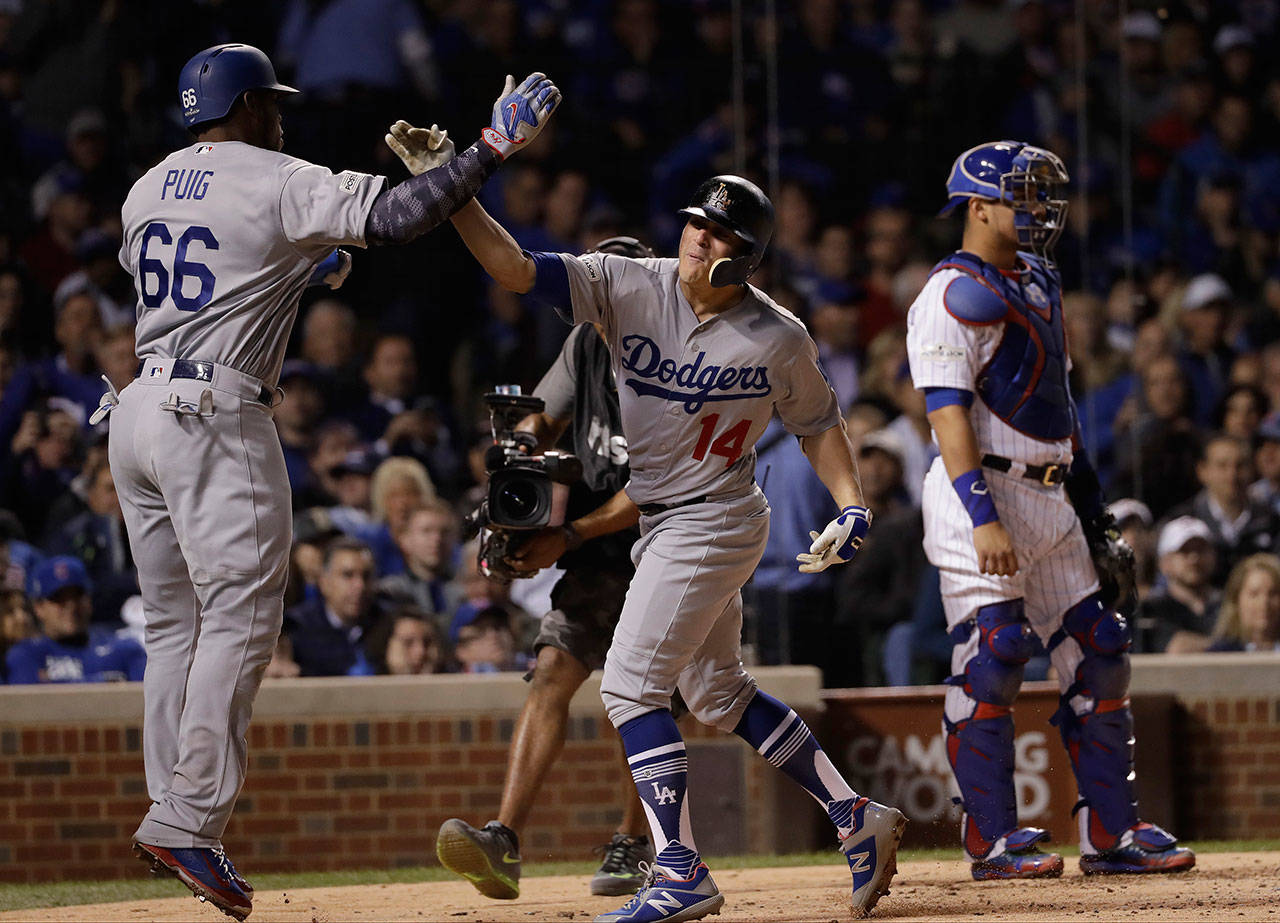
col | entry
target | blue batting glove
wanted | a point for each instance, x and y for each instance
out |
(520, 113)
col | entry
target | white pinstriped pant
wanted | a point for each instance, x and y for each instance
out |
(1054, 568)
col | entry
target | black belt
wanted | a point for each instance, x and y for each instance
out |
(1048, 475)
(201, 370)
(653, 509)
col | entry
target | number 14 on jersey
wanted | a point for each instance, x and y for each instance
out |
(728, 445)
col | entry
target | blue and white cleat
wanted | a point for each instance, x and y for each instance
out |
(206, 871)
(1021, 857)
(872, 851)
(670, 900)
(1143, 849)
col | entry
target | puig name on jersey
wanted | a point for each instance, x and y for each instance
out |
(705, 383)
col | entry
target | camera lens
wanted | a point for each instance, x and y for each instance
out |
(519, 499)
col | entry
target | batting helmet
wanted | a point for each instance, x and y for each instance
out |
(212, 81)
(624, 246)
(740, 206)
(1026, 178)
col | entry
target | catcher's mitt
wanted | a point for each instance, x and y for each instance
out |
(1113, 560)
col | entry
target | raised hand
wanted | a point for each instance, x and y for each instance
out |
(520, 113)
(419, 149)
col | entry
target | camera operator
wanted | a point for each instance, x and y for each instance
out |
(593, 546)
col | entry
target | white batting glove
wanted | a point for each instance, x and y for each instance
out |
(838, 542)
(520, 113)
(419, 149)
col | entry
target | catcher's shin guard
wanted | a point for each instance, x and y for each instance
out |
(979, 727)
(1095, 722)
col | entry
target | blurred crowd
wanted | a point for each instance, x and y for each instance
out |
(1168, 119)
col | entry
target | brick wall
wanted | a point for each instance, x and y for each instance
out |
(1232, 751)
(332, 791)
(360, 773)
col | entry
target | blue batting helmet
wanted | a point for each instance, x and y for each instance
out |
(1028, 179)
(212, 81)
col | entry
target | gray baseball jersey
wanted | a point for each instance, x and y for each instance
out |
(697, 395)
(221, 240)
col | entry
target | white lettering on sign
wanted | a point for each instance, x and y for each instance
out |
(913, 774)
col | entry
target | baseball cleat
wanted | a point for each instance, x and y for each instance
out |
(489, 858)
(206, 871)
(1021, 858)
(664, 899)
(872, 851)
(620, 871)
(1143, 849)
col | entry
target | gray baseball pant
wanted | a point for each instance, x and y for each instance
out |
(206, 503)
(681, 623)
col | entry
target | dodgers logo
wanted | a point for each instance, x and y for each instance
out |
(720, 198)
(696, 383)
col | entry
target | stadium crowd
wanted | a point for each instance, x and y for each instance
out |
(1169, 121)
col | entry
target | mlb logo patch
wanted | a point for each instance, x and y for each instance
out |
(204, 149)
(1036, 295)
(348, 182)
(157, 371)
(592, 265)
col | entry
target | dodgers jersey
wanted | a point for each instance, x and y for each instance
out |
(221, 239)
(697, 395)
(945, 352)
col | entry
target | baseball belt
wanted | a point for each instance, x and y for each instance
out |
(653, 509)
(201, 370)
(1048, 475)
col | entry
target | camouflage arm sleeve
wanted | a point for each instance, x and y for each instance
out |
(417, 205)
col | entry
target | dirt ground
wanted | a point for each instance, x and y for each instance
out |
(1224, 886)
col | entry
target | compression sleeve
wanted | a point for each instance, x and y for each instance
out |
(420, 203)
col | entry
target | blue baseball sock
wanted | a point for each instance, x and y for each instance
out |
(781, 737)
(660, 768)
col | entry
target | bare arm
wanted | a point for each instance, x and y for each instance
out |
(545, 428)
(496, 250)
(831, 454)
(959, 447)
(614, 515)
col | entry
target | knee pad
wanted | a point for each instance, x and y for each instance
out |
(994, 673)
(1102, 675)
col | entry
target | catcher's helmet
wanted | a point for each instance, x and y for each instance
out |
(742, 207)
(1026, 178)
(212, 81)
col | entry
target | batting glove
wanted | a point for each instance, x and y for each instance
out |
(838, 542)
(520, 113)
(420, 149)
(332, 270)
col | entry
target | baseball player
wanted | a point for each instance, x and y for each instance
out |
(221, 238)
(1016, 551)
(703, 360)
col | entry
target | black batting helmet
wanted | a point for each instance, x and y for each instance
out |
(740, 206)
